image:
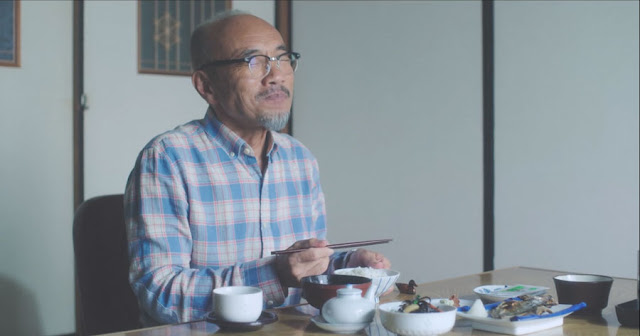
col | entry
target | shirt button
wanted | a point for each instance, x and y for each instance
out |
(247, 151)
(232, 154)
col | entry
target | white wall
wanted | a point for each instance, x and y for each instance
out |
(567, 135)
(389, 98)
(126, 109)
(36, 201)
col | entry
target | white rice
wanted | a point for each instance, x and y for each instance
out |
(365, 272)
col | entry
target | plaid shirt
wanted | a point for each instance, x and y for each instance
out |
(201, 215)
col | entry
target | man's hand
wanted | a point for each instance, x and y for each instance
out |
(293, 267)
(366, 258)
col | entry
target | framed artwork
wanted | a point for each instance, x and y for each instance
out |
(10, 33)
(164, 30)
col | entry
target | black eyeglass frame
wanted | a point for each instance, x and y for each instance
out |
(249, 58)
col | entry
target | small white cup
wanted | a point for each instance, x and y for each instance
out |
(237, 303)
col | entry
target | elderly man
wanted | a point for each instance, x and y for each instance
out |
(207, 202)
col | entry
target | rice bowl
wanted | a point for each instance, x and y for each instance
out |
(384, 279)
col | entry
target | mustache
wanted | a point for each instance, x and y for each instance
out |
(273, 90)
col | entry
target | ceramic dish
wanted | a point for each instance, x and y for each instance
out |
(420, 324)
(318, 289)
(338, 328)
(522, 324)
(496, 293)
(588, 288)
(264, 319)
(383, 283)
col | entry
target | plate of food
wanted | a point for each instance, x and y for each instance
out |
(497, 293)
(522, 315)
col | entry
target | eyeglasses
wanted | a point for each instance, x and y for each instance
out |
(260, 65)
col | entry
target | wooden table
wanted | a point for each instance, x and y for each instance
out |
(296, 320)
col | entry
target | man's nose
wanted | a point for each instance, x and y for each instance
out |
(275, 75)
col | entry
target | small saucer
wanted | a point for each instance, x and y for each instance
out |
(338, 328)
(264, 319)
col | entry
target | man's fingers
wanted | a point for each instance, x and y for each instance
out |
(379, 261)
(307, 269)
(313, 242)
(312, 254)
(308, 243)
(367, 258)
(313, 260)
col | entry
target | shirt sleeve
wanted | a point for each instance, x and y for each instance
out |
(160, 245)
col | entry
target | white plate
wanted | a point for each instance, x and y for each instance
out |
(495, 293)
(505, 326)
(338, 327)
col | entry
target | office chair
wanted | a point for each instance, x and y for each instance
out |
(105, 300)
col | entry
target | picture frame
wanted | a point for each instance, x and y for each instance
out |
(10, 33)
(164, 30)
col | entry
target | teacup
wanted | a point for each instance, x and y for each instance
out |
(239, 304)
(590, 289)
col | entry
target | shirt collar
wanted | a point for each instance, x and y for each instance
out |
(229, 140)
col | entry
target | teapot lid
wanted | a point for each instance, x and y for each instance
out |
(349, 290)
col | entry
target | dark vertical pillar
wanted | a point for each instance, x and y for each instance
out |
(488, 128)
(78, 128)
(283, 24)
(78, 104)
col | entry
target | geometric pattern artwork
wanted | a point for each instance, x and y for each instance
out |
(10, 32)
(164, 30)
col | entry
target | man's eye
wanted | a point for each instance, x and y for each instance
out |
(255, 61)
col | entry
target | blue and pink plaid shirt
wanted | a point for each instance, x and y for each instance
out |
(201, 215)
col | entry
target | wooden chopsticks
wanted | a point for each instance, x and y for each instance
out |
(337, 246)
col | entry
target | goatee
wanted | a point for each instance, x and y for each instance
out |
(275, 122)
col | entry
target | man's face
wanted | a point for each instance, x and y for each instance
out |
(248, 101)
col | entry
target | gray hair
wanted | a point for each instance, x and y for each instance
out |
(200, 46)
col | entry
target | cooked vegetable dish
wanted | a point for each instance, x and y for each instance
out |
(418, 305)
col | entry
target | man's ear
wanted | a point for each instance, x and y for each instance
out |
(202, 84)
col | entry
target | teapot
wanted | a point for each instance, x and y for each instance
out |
(350, 307)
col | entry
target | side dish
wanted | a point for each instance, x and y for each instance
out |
(527, 304)
(418, 305)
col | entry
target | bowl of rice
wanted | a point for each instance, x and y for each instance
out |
(384, 279)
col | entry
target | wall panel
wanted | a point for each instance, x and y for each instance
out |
(389, 98)
(36, 197)
(566, 135)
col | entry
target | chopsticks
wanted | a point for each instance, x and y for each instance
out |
(337, 246)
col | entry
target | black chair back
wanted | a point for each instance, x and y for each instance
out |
(105, 300)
